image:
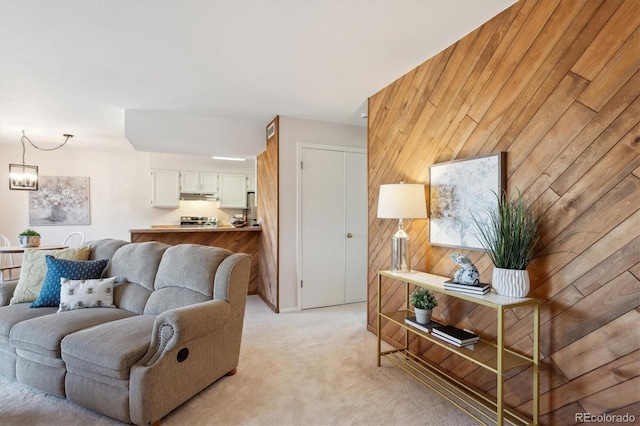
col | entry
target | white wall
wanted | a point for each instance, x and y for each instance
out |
(120, 190)
(120, 183)
(292, 132)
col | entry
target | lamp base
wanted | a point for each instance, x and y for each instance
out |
(400, 254)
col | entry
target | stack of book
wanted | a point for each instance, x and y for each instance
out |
(455, 336)
(478, 289)
(424, 327)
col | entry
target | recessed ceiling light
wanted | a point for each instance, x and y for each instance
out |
(228, 158)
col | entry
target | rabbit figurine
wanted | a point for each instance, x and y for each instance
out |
(468, 274)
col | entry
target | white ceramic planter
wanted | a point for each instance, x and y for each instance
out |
(30, 240)
(423, 316)
(511, 282)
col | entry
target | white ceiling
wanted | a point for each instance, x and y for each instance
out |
(77, 66)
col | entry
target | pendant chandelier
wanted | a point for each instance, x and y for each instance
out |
(25, 177)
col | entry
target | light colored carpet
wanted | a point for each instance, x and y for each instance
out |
(315, 367)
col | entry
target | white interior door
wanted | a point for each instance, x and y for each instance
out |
(333, 240)
(356, 214)
(322, 228)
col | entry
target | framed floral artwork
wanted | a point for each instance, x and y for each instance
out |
(459, 190)
(60, 200)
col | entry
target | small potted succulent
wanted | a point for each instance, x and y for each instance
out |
(423, 302)
(30, 238)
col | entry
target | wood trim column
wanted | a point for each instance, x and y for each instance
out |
(268, 172)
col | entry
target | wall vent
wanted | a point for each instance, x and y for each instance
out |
(271, 130)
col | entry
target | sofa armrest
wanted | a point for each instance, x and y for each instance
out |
(178, 326)
(6, 292)
(192, 346)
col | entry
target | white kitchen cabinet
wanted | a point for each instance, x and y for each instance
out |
(251, 183)
(233, 191)
(190, 182)
(209, 182)
(198, 182)
(165, 189)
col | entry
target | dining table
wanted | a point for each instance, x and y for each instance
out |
(20, 249)
(9, 250)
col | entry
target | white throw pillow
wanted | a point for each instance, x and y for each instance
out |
(78, 294)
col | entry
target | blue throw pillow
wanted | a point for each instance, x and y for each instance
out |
(63, 268)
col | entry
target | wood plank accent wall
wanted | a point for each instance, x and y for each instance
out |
(268, 172)
(555, 84)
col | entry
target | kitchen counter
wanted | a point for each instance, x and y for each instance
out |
(175, 228)
(238, 240)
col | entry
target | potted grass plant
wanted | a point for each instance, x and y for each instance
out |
(509, 233)
(29, 238)
(423, 302)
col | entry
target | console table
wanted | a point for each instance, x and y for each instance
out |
(494, 357)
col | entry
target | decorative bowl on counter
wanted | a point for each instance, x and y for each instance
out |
(237, 222)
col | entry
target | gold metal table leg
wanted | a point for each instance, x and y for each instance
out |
(536, 364)
(378, 316)
(500, 367)
(406, 306)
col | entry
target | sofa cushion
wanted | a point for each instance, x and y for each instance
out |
(105, 249)
(131, 296)
(34, 269)
(128, 260)
(185, 276)
(172, 297)
(13, 314)
(108, 349)
(191, 266)
(44, 334)
(70, 269)
(80, 294)
(133, 283)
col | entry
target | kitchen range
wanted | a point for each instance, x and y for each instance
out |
(210, 221)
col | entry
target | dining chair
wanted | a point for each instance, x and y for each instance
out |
(7, 264)
(74, 239)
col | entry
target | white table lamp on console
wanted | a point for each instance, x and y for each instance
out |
(401, 201)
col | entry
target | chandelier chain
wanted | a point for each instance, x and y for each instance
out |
(24, 137)
(24, 150)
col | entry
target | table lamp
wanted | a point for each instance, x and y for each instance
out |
(401, 201)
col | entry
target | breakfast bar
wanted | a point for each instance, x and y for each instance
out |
(238, 240)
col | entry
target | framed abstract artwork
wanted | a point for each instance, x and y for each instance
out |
(459, 190)
(60, 200)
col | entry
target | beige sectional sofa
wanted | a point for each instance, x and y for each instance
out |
(176, 329)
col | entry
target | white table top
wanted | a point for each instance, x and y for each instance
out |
(436, 282)
(20, 249)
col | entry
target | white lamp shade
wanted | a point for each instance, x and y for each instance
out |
(402, 201)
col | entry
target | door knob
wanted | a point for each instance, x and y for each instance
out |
(349, 235)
